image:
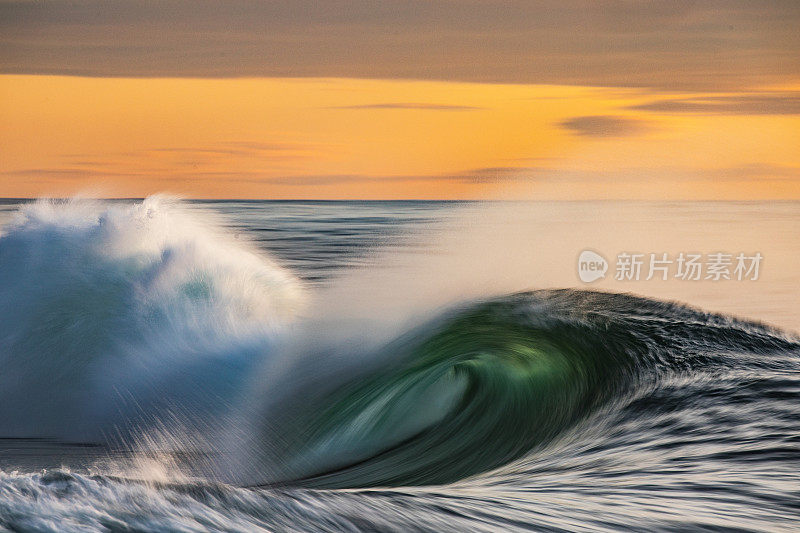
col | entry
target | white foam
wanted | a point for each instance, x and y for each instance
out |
(110, 312)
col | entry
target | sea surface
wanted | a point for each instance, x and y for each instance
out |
(171, 365)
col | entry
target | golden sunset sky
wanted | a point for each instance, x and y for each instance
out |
(368, 100)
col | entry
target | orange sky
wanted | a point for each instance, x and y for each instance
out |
(554, 99)
(353, 138)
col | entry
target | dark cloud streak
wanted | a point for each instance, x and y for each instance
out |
(474, 176)
(662, 43)
(786, 103)
(604, 126)
(411, 106)
(477, 176)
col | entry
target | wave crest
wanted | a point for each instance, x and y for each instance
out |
(113, 313)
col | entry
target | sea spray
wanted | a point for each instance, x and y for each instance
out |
(113, 314)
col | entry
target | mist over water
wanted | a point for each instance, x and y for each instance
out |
(498, 247)
(386, 365)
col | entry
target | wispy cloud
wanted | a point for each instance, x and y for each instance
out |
(65, 173)
(252, 149)
(415, 106)
(605, 126)
(235, 148)
(772, 103)
(755, 172)
(222, 160)
(472, 176)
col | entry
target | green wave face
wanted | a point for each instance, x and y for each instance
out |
(479, 389)
(494, 382)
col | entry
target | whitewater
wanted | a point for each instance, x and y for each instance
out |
(392, 366)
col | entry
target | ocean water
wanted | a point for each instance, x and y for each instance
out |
(173, 365)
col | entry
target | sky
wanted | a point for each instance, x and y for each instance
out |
(622, 99)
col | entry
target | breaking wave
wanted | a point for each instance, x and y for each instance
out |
(113, 315)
